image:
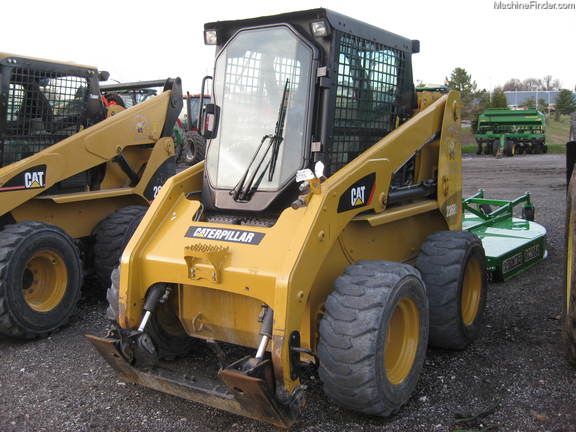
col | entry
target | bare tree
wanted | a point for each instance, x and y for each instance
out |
(513, 84)
(532, 84)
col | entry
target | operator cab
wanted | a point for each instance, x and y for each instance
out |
(291, 90)
(42, 102)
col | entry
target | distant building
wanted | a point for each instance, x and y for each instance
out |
(516, 99)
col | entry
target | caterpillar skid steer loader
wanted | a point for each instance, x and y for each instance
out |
(324, 225)
(74, 183)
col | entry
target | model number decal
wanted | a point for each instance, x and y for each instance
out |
(451, 210)
(227, 235)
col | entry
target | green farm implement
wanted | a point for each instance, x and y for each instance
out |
(508, 132)
(512, 244)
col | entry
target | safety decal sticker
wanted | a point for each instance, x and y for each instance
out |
(360, 194)
(32, 178)
(227, 235)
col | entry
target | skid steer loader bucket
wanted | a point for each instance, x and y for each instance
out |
(239, 391)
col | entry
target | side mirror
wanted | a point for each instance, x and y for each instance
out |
(209, 119)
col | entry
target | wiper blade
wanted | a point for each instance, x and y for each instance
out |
(279, 132)
(239, 192)
(244, 189)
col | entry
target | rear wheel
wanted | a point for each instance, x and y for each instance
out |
(112, 235)
(163, 327)
(453, 267)
(40, 279)
(373, 337)
(195, 150)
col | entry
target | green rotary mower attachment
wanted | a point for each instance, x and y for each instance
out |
(512, 244)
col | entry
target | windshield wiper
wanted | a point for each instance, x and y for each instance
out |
(244, 189)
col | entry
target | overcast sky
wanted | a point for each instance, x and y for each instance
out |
(141, 40)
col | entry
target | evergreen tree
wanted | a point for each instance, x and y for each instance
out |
(498, 99)
(565, 103)
(462, 81)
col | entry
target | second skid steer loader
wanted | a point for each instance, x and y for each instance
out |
(324, 225)
(74, 183)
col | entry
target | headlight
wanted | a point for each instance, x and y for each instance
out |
(320, 28)
(210, 37)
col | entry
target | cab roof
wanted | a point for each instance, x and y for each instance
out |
(337, 21)
(4, 56)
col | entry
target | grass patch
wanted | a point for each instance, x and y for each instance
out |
(557, 132)
(556, 148)
(552, 148)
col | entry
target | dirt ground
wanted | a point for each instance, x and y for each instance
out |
(514, 378)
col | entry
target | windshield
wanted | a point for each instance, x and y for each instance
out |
(251, 73)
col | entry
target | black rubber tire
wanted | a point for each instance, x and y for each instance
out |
(495, 147)
(521, 148)
(196, 148)
(353, 334)
(19, 242)
(163, 327)
(111, 236)
(488, 148)
(509, 148)
(442, 262)
(544, 148)
(528, 213)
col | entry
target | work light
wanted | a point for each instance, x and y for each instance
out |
(210, 37)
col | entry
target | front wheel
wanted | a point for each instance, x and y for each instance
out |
(453, 267)
(111, 236)
(373, 337)
(40, 279)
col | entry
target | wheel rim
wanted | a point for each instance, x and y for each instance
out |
(471, 291)
(44, 281)
(402, 339)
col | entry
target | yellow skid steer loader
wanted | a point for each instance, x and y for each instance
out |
(324, 225)
(74, 184)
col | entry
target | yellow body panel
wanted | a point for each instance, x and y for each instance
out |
(223, 284)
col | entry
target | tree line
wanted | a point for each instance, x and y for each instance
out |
(475, 101)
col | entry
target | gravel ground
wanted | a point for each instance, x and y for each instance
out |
(514, 378)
